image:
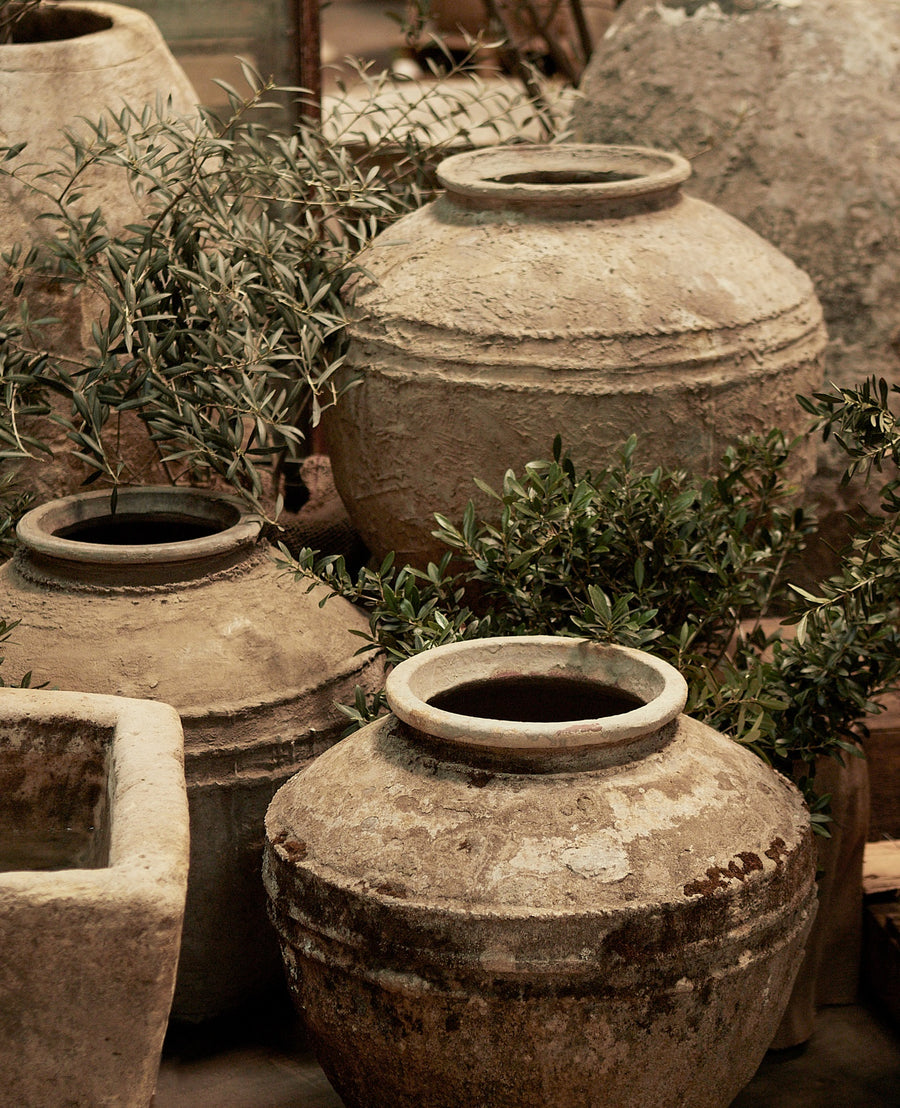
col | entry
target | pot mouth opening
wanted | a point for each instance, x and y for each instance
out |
(551, 698)
(134, 529)
(536, 694)
(565, 177)
(57, 24)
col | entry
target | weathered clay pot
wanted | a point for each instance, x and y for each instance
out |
(790, 114)
(175, 600)
(569, 289)
(93, 873)
(570, 908)
(70, 61)
(75, 60)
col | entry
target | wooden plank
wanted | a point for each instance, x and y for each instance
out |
(883, 751)
(881, 867)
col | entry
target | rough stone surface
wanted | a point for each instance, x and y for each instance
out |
(621, 935)
(255, 669)
(490, 323)
(789, 112)
(93, 873)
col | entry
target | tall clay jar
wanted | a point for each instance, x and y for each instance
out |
(571, 289)
(538, 883)
(173, 598)
(67, 65)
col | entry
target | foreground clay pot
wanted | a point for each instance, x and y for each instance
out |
(595, 901)
(569, 289)
(93, 872)
(174, 599)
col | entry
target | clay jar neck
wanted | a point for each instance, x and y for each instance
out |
(537, 704)
(156, 535)
(563, 182)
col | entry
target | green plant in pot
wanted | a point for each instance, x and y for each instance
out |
(689, 569)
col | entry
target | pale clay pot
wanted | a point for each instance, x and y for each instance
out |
(101, 57)
(254, 666)
(570, 289)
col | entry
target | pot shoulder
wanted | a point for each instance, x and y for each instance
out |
(701, 818)
(246, 635)
(689, 267)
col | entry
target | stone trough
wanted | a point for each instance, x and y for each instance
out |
(93, 874)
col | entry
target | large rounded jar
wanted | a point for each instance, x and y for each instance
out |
(173, 598)
(570, 289)
(67, 64)
(789, 112)
(74, 60)
(537, 883)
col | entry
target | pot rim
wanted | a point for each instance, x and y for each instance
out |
(85, 49)
(489, 174)
(237, 527)
(414, 681)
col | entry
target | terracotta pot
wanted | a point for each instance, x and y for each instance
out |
(537, 883)
(175, 600)
(569, 289)
(93, 872)
(789, 112)
(70, 61)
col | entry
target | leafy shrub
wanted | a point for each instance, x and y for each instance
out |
(688, 567)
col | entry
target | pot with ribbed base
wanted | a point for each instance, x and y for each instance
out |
(536, 883)
(173, 598)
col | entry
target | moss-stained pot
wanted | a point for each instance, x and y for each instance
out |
(175, 599)
(536, 882)
(570, 289)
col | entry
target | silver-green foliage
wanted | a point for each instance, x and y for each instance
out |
(218, 307)
(220, 319)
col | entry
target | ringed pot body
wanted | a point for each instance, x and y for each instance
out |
(570, 289)
(173, 598)
(537, 882)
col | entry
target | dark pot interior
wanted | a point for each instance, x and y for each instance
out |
(57, 24)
